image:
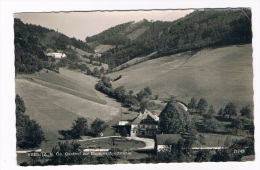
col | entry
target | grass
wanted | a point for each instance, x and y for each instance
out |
(69, 91)
(70, 79)
(107, 143)
(56, 110)
(216, 140)
(220, 75)
(103, 48)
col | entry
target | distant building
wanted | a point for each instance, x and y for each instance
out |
(56, 55)
(164, 141)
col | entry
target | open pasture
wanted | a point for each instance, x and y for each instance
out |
(220, 75)
(55, 110)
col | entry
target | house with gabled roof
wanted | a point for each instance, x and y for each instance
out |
(144, 124)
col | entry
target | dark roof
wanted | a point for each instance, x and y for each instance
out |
(162, 139)
(137, 120)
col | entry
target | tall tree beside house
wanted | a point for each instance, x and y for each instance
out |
(173, 118)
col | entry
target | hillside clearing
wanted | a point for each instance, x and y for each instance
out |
(103, 48)
(220, 75)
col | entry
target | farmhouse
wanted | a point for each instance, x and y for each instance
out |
(56, 55)
(164, 141)
(145, 124)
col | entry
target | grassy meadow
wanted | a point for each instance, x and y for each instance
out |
(56, 108)
(220, 75)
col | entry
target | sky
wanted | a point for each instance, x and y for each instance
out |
(83, 24)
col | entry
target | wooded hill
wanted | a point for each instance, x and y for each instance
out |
(199, 29)
(31, 41)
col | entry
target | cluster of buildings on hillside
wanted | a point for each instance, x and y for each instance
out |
(145, 124)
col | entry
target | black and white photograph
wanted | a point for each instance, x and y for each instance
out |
(136, 86)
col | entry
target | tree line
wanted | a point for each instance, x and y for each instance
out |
(80, 128)
(29, 133)
(136, 102)
(200, 29)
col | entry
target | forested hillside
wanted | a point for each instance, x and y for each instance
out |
(120, 34)
(200, 29)
(31, 41)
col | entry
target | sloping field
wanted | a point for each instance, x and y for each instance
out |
(136, 33)
(103, 48)
(54, 102)
(220, 75)
(68, 79)
(55, 110)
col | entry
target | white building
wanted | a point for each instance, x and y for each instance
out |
(163, 142)
(56, 55)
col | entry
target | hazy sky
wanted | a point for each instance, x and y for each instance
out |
(83, 24)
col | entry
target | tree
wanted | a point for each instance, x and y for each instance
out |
(96, 72)
(238, 124)
(202, 105)
(60, 154)
(220, 112)
(180, 151)
(211, 111)
(230, 110)
(203, 156)
(119, 93)
(221, 156)
(29, 133)
(79, 127)
(246, 111)
(210, 123)
(131, 92)
(20, 106)
(144, 93)
(102, 70)
(98, 126)
(173, 118)
(106, 81)
(144, 105)
(192, 104)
